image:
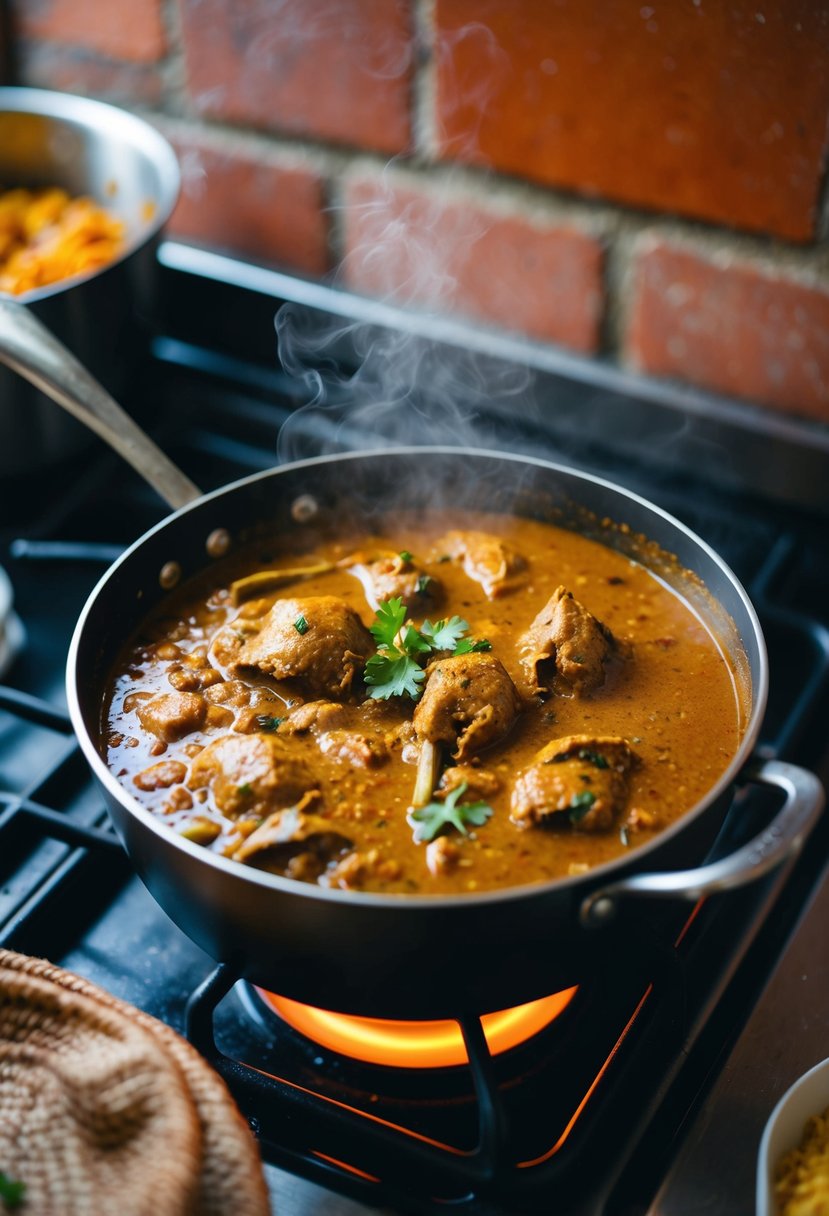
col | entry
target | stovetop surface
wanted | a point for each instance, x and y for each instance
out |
(220, 423)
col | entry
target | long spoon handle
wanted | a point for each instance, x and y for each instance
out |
(29, 348)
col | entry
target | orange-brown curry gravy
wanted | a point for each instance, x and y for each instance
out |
(671, 695)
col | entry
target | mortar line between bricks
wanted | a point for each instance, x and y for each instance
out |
(424, 80)
(174, 66)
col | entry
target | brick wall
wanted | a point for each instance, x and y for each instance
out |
(637, 181)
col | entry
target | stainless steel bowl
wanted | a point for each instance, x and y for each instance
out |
(87, 147)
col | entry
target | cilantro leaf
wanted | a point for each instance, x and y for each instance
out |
(267, 723)
(395, 670)
(470, 646)
(11, 1191)
(301, 625)
(388, 622)
(414, 642)
(585, 753)
(444, 635)
(393, 676)
(430, 819)
(580, 804)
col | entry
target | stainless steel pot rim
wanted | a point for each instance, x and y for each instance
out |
(470, 899)
(121, 124)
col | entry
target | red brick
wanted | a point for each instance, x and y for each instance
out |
(77, 71)
(234, 201)
(121, 29)
(712, 110)
(336, 70)
(540, 279)
(727, 325)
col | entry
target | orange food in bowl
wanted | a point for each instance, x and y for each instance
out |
(46, 236)
(802, 1182)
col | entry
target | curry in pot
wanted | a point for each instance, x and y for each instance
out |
(437, 707)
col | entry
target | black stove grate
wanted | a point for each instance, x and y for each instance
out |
(66, 890)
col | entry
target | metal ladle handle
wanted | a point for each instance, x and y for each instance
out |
(31, 350)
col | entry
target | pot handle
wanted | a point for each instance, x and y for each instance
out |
(32, 351)
(782, 838)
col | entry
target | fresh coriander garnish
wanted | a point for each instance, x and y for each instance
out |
(580, 804)
(395, 670)
(244, 789)
(405, 555)
(596, 758)
(266, 722)
(428, 820)
(397, 675)
(11, 1191)
(301, 625)
(470, 646)
(445, 635)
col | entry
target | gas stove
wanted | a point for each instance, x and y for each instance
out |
(643, 1090)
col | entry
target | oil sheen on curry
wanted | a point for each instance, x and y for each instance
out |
(437, 707)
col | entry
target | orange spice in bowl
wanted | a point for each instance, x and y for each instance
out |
(801, 1185)
(47, 236)
(793, 1161)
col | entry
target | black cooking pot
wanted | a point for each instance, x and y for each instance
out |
(410, 956)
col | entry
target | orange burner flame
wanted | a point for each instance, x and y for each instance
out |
(416, 1044)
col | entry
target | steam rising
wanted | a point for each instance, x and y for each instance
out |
(377, 386)
(370, 387)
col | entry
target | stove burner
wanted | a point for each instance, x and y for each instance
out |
(401, 1044)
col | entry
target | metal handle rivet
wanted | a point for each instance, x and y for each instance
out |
(305, 508)
(169, 575)
(217, 543)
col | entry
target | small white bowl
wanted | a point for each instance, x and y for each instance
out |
(784, 1130)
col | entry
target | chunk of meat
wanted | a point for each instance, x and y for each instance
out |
(321, 714)
(251, 774)
(172, 715)
(293, 842)
(479, 781)
(161, 776)
(229, 692)
(359, 868)
(319, 640)
(442, 855)
(469, 702)
(580, 779)
(487, 559)
(566, 640)
(396, 575)
(360, 749)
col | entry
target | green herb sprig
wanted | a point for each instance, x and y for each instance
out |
(395, 670)
(430, 819)
(268, 723)
(580, 804)
(11, 1191)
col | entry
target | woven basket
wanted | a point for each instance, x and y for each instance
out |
(105, 1111)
